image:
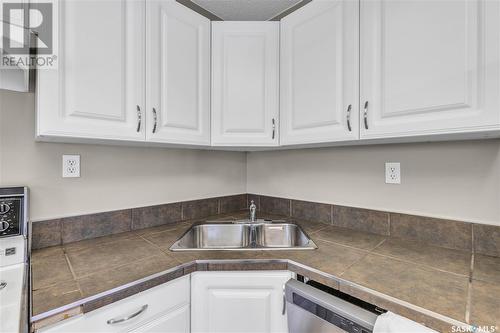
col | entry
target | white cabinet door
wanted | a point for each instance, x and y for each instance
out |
(319, 73)
(238, 301)
(164, 308)
(97, 90)
(178, 74)
(429, 67)
(245, 84)
(176, 321)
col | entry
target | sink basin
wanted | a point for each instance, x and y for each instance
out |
(244, 235)
(284, 235)
(215, 236)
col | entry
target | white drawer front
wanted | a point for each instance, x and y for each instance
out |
(159, 300)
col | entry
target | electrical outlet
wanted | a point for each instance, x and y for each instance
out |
(393, 173)
(71, 166)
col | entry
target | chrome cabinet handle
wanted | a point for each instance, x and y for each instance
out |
(133, 315)
(274, 128)
(283, 310)
(155, 118)
(349, 117)
(139, 118)
(365, 116)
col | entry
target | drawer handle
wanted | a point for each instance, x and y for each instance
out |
(133, 315)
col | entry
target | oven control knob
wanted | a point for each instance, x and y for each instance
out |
(4, 225)
(4, 208)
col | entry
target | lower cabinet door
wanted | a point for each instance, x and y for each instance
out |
(176, 321)
(238, 301)
(164, 308)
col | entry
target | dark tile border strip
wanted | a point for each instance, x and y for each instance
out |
(440, 232)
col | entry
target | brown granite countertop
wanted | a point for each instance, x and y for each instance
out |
(436, 286)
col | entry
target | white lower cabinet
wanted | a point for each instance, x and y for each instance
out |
(173, 322)
(238, 301)
(164, 308)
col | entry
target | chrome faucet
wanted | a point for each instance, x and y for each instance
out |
(253, 209)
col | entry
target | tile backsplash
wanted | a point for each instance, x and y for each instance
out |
(478, 238)
(71, 229)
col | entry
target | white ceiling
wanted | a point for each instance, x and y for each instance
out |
(246, 10)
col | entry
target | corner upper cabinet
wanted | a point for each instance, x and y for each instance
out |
(245, 83)
(178, 74)
(319, 73)
(97, 90)
(429, 67)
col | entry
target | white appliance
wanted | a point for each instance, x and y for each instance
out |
(14, 260)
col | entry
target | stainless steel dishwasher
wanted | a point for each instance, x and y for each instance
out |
(311, 310)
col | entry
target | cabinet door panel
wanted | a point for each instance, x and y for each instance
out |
(166, 309)
(319, 73)
(176, 321)
(245, 83)
(429, 67)
(238, 301)
(178, 74)
(98, 86)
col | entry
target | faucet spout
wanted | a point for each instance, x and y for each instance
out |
(253, 209)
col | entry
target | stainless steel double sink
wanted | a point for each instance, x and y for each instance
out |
(244, 235)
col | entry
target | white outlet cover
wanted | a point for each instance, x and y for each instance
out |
(71, 166)
(393, 173)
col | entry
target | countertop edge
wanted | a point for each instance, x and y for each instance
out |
(427, 317)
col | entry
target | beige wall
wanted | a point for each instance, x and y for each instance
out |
(458, 180)
(112, 177)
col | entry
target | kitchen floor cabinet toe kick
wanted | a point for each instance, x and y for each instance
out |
(333, 72)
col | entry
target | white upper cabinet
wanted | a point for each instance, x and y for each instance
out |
(97, 90)
(429, 67)
(333, 71)
(319, 73)
(178, 74)
(245, 83)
